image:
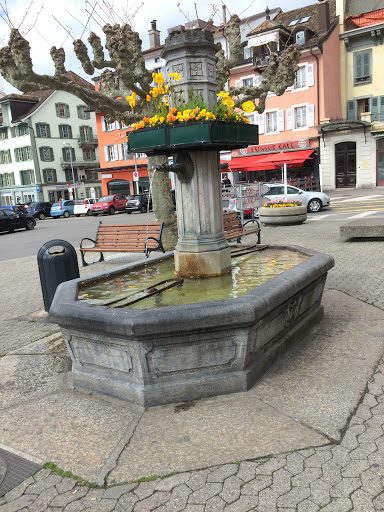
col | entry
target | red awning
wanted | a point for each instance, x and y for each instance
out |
(291, 158)
(250, 163)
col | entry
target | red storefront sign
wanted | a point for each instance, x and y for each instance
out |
(272, 148)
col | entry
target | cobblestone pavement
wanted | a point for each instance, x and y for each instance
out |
(333, 478)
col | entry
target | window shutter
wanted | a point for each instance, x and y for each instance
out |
(67, 111)
(51, 153)
(57, 109)
(311, 115)
(93, 154)
(73, 154)
(41, 154)
(351, 111)
(64, 154)
(310, 75)
(118, 126)
(257, 79)
(102, 124)
(358, 65)
(48, 131)
(106, 153)
(37, 130)
(70, 132)
(289, 119)
(13, 131)
(381, 108)
(366, 64)
(84, 155)
(238, 83)
(374, 107)
(259, 120)
(120, 151)
(16, 155)
(79, 112)
(90, 133)
(280, 120)
(60, 131)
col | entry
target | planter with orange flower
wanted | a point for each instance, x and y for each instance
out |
(283, 212)
(190, 126)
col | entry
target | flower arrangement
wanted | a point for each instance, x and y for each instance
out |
(281, 203)
(157, 104)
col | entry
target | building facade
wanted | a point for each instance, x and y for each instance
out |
(48, 148)
(288, 126)
(352, 146)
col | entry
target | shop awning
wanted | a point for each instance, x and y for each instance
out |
(250, 163)
(291, 158)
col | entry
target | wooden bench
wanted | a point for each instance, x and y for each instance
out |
(125, 238)
(234, 229)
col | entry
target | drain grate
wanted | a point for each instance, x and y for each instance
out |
(14, 470)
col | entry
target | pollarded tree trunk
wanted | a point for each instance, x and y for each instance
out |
(162, 201)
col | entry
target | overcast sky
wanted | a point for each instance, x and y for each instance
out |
(71, 15)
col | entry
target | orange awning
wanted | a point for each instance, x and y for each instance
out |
(270, 161)
(291, 158)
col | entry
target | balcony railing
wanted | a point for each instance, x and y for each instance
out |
(83, 141)
(79, 162)
(260, 62)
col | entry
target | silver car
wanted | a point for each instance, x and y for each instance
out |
(314, 201)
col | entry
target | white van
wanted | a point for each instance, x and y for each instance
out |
(83, 206)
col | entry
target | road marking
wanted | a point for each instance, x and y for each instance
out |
(320, 217)
(364, 214)
(359, 199)
(351, 210)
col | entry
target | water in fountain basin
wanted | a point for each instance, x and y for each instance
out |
(248, 271)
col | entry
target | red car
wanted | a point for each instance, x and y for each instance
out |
(109, 204)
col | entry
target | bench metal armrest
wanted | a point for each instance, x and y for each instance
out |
(253, 222)
(90, 239)
(84, 249)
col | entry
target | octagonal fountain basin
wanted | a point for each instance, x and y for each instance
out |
(139, 334)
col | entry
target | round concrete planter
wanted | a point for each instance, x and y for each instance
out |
(283, 215)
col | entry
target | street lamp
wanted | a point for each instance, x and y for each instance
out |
(73, 174)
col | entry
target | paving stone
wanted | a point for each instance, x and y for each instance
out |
(92, 497)
(247, 471)
(363, 451)
(320, 492)
(223, 472)
(126, 503)
(117, 491)
(369, 400)
(22, 501)
(215, 504)
(194, 508)
(307, 506)
(294, 497)
(306, 477)
(178, 499)
(231, 489)
(355, 468)
(371, 482)
(256, 485)
(198, 479)
(281, 480)
(270, 466)
(340, 456)
(19, 490)
(345, 488)
(364, 412)
(317, 459)
(307, 452)
(65, 485)
(43, 484)
(145, 489)
(167, 484)
(338, 505)
(362, 501)
(378, 502)
(62, 500)
(350, 441)
(152, 502)
(268, 500)
(295, 463)
(203, 494)
(75, 506)
(43, 473)
(43, 500)
(103, 506)
(243, 504)
(371, 434)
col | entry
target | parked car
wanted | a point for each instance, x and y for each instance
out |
(11, 220)
(314, 201)
(109, 204)
(40, 210)
(83, 206)
(138, 203)
(17, 208)
(62, 208)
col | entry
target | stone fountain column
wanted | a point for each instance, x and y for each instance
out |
(201, 250)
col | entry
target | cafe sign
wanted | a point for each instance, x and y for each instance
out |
(272, 148)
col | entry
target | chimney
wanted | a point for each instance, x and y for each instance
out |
(267, 11)
(324, 21)
(154, 35)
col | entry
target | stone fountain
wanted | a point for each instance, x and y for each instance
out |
(186, 352)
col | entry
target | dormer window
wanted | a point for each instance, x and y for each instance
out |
(300, 37)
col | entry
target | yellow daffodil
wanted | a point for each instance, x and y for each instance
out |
(248, 106)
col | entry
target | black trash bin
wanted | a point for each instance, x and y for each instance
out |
(56, 267)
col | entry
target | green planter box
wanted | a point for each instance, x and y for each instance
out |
(169, 139)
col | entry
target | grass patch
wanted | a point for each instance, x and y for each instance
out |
(54, 469)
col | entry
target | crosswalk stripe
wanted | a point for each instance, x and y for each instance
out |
(363, 214)
(358, 199)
